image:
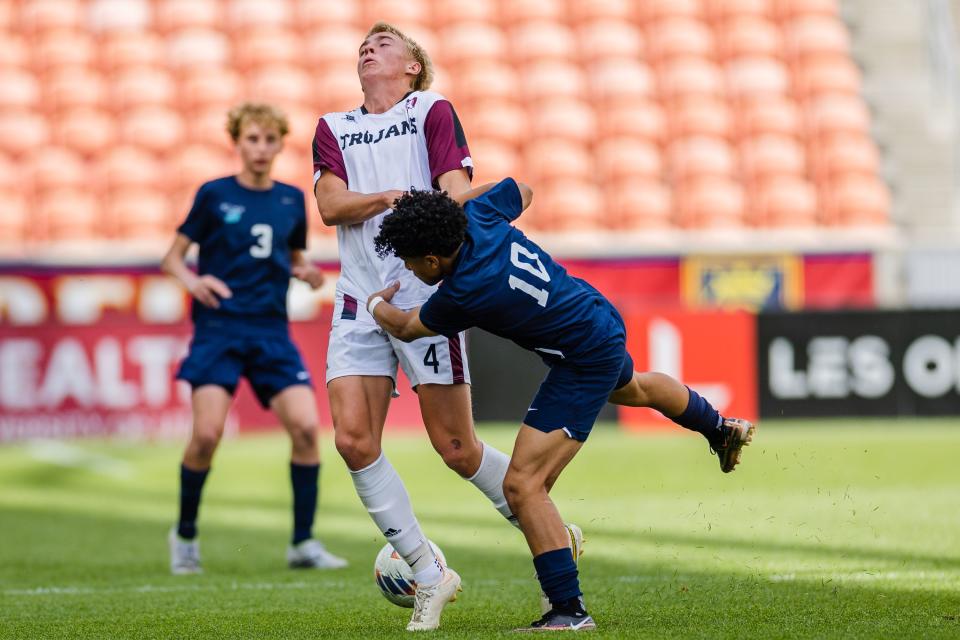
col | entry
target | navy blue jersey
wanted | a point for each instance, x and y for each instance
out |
(507, 285)
(245, 239)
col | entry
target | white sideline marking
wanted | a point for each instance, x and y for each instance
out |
(865, 576)
(62, 454)
(153, 588)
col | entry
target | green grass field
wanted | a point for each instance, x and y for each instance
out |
(832, 529)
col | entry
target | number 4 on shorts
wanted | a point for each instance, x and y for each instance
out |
(430, 359)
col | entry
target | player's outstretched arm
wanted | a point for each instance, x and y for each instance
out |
(402, 325)
(207, 289)
(338, 205)
(303, 269)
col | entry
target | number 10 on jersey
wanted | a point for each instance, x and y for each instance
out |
(534, 267)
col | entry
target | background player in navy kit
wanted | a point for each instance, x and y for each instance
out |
(251, 231)
(494, 278)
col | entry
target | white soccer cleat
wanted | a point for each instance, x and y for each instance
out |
(311, 554)
(576, 548)
(430, 600)
(184, 554)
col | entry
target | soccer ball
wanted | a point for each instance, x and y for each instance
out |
(394, 576)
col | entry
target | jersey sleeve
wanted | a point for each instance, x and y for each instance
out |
(446, 143)
(327, 155)
(441, 314)
(501, 203)
(197, 225)
(298, 237)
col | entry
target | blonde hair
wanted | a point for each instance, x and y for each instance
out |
(259, 112)
(425, 78)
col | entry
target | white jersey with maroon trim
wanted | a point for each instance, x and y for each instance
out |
(407, 147)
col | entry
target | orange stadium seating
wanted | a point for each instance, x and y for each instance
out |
(622, 114)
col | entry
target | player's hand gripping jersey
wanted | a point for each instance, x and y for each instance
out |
(507, 285)
(407, 147)
(245, 238)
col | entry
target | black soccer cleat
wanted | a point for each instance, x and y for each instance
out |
(555, 620)
(737, 434)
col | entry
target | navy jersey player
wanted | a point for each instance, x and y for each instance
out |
(493, 277)
(251, 232)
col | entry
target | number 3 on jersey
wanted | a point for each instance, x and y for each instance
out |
(535, 267)
(264, 235)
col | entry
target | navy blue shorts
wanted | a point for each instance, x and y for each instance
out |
(573, 393)
(270, 363)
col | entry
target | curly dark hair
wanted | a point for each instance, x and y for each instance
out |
(423, 223)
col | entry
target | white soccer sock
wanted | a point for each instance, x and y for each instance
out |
(382, 492)
(489, 479)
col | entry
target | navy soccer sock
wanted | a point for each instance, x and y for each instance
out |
(191, 486)
(304, 478)
(700, 416)
(557, 574)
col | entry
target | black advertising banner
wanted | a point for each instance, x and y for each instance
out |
(870, 363)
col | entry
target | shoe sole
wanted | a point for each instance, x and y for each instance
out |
(589, 626)
(745, 438)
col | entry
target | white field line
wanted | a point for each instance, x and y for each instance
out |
(63, 454)
(858, 576)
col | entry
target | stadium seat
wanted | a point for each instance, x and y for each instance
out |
(70, 87)
(651, 10)
(141, 215)
(209, 127)
(675, 37)
(722, 10)
(550, 80)
(444, 13)
(565, 117)
(845, 154)
(311, 15)
(155, 128)
(295, 166)
(142, 86)
(513, 12)
(50, 167)
(303, 120)
(701, 116)
(122, 49)
(786, 9)
(104, 16)
(690, 77)
(62, 48)
(174, 15)
(17, 220)
(198, 47)
(340, 91)
(827, 74)
(768, 156)
(746, 36)
(332, 47)
(471, 42)
(8, 16)
(639, 204)
(20, 89)
(615, 11)
(253, 15)
(621, 158)
(13, 51)
(39, 16)
(190, 166)
(574, 205)
(603, 39)
(497, 120)
(266, 46)
(713, 202)
(399, 12)
(774, 114)
(71, 215)
(22, 130)
(640, 119)
(858, 200)
(831, 114)
(128, 166)
(282, 84)
(494, 160)
(86, 130)
(205, 88)
(785, 202)
(700, 156)
(541, 40)
(11, 177)
(620, 80)
(556, 158)
(750, 78)
(817, 35)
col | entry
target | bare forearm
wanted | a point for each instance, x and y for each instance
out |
(174, 265)
(349, 207)
(395, 321)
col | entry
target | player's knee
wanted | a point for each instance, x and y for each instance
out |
(518, 489)
(304, 435)
(204, 441)
(356, 451)
(464, 458)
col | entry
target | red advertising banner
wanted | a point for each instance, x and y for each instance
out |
(94, 353)
(713, 352)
